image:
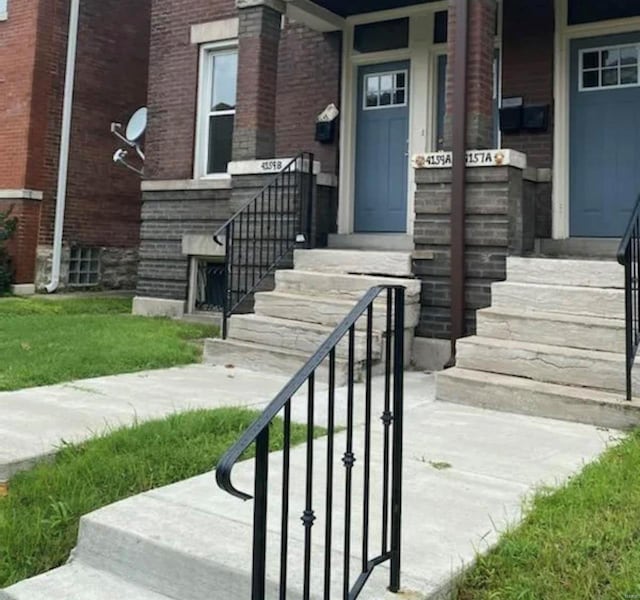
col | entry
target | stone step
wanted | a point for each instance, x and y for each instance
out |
(78, 581)
(541, 362)
(564, 272)
(342, 286)
(259, 357)
(555, 329)
(371, 241)
(361, 262)
(304, 338)
(325, 310)
(518, 395)
(595, 302)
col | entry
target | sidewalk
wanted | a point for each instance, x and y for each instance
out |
(467, 471)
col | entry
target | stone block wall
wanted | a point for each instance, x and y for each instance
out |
(167, 216)
(500, 221)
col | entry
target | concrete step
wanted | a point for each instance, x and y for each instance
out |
(541, 362)
(578, 273)
(517, 395)
(325, 310)
(304, 338)
(78, 581)
(361, 262)
(259, 357)
(555, 329)
(591, 248)
(342, 286)
(371, 241)
(594, 302)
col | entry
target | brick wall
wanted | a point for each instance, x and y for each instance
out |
(103, 199)
(308, 80)
(17, 60)
(500, 206)
(22, 246)
(166, 218)
(528, 70)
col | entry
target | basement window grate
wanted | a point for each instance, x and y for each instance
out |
(84, 266)
(210, 286)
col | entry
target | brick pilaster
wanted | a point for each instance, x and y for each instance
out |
(258, 44)
(481, 42)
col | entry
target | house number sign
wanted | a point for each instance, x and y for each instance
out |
(474, 158)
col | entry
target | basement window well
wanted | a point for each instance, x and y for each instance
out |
(84, 266)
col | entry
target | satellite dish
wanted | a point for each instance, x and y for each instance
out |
(137, 125)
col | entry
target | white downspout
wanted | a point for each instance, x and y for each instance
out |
(65, 136)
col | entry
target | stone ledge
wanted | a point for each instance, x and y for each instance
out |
(267, 166)
(20, 195)
(215, 31)
(158, 307)
(24, 289)
(179, 185)
(475, 158)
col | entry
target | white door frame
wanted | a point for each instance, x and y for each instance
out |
(422, 98)
(564, 35)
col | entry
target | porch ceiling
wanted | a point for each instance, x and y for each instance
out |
(356, 7)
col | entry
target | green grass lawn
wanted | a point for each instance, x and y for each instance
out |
(581, 542)
(45, 341)
(39, 518)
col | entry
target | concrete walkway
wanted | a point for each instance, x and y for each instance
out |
(467, 471)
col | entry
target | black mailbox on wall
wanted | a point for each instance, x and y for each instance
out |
(326, 131)
(511, 115)
(536, 117)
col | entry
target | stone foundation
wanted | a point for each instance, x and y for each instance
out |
(118, 269)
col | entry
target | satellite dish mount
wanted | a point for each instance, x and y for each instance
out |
(132, 137)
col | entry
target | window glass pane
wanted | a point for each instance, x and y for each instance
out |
(400, 80)
(629, 56)
(610, 77)
(591, 60)
(386, 83)
(440, 27)
(610, 58)
(373, 88)
(381, 36)
(581, 11)
(590, 79)
(225, 73)
(628, 75)
(220, 142)
(385, 98)
(399, 97)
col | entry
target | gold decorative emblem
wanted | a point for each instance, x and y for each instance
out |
(420, 161)
(499, 158)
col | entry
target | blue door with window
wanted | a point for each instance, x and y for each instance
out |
(605, 134)
(382, 151)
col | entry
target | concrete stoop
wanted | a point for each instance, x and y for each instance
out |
(291, 322)
(552, 344)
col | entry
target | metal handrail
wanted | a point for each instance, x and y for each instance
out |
(629, 257)
(263, 232)
(391, 418)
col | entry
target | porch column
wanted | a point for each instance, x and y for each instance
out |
(480, 80)
(258, 43)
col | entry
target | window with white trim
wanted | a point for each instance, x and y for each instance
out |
(3, 10)
(385, 90)
(610, 67)
(218, 86)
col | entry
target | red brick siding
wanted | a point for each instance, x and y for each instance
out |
(17, 57)
(103, 200)
(173, 83)
(308, 80)
(22, 246)
(528, 41)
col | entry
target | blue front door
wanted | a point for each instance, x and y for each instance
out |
(382, 148)
(605, 134)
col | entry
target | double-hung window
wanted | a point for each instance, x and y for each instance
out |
(3, 10)
(218, 85)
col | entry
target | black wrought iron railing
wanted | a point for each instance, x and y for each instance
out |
(367, 500)
(260, 236)
(629, 258)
